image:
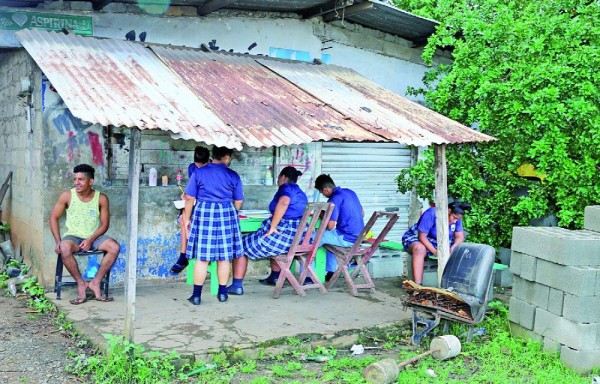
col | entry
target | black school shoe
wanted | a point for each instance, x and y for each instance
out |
(267, 281)
(177, 268)
(194, 300)
(222, 297)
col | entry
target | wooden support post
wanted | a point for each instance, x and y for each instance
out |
(441, 209)
(132, 229)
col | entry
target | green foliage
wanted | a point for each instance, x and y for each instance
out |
(525, 73)
(125, 362)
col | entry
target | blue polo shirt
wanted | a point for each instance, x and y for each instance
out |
(298, 200)
(215, 183)
(191, 168)
(347, 213)
(426, 225)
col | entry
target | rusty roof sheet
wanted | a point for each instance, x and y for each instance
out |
(263, 108)
(113, 82)
(373, 107)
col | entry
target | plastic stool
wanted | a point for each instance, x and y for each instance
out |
(58, 278)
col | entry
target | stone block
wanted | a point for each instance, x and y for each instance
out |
(580, 361)
(582, 309)
(523, 333)
(551, 345)
(521, 313)
(515, 263)
(386, 266)
(555, 301)
(591, 218)
(179, 10)
(115, 8)
(566, 332)
(531, 292)
(577, 280)
(528, 267)
(558, 245)
(503, 278)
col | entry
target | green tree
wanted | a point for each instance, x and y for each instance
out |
(527, 73)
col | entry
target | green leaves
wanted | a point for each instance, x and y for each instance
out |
(527, 73)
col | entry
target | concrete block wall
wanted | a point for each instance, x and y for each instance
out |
(387, 263)
(556, 290)
(21, 140)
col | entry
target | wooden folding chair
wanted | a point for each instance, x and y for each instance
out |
(357, 257)
(303, 250)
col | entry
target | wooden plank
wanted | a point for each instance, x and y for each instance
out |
(441, 209)
(132, 229)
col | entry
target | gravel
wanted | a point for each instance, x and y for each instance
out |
(32, 348)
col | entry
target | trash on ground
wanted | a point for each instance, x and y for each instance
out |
(431, 373)
(357, 349)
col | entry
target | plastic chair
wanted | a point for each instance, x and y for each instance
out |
(58, 278)
(303, 250)
(356, 257)
(467, 280)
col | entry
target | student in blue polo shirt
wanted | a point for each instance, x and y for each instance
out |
(420, 240)
(214, 227)
(276, 234)
(346, 221)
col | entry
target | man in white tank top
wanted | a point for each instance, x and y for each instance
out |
(88, 219)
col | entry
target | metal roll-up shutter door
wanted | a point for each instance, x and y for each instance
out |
(369, 169)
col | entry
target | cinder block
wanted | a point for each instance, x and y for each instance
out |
(580, 361)
(515, 263)
(523, 333)
(531, 292)
(551, 345)
(555, 301)
(577, 280)
(81, 6)
(591, 218)
(558, 245)
(521, 313)
(390, 266)
(574, 335)
(528, 267)
(582, 309)
(503, 278)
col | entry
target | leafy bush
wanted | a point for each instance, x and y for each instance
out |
(526, 72)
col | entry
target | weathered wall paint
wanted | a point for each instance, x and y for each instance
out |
(44, 159)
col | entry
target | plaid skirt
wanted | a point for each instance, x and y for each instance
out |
(258, 247)
(214, 232)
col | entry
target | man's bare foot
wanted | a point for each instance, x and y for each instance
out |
(81, 288)
(95, 287)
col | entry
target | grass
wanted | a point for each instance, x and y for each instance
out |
(494, 357)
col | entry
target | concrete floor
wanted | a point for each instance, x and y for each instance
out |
(165, 320)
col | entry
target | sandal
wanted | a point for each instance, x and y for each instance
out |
(79, 300)
(104, 299)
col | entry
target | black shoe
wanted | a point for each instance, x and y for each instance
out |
(222, 297)
(235, 291)
(194, 300)
(267, 281)
(328, 276)
(177, 268)
(308, 281)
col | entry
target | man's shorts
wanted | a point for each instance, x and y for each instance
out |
(77, 240)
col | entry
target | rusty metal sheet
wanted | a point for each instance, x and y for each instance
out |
(121, 83)
(373, 107)
(263, 108)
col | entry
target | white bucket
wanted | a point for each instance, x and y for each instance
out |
(445, 347)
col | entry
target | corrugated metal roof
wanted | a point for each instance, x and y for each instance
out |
(373, 107)
(121, 83)
(263, 108)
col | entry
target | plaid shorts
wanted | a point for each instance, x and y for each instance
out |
(258, 247)
(214, 233)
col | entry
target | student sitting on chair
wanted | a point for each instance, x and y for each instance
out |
(346, 220)
(421, 239)
(88, 218)
(276, 234)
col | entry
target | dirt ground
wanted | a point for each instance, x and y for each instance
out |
(32, 348)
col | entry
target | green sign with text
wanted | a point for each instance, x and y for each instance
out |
(16, 20)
